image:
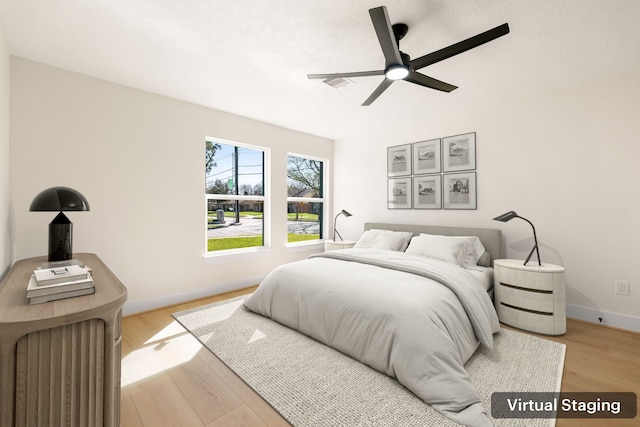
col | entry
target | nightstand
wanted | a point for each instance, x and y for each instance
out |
(330, 245)
(530, 297)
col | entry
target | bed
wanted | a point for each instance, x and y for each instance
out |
(411, 301)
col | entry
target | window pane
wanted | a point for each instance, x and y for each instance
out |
(233, 170)
(304, 219)
(304, 177)
(234, 224)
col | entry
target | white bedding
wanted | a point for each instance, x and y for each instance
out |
(483, 274)
(413, 318)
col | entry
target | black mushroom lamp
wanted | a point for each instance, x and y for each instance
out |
(60, 199)
(505, 217)
(335, 221)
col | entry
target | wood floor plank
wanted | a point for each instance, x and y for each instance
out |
(207, 393)
(160, 402)
(241, 416)
(192, 387)
(128, 413)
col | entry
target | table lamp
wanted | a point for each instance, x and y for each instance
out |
(59, 199)
(508, 217)
(335, 230)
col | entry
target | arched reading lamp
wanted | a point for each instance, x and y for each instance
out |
(335, 230)
(508, 217)
(59, 199)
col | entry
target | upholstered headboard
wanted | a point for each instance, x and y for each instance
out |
(491, 238)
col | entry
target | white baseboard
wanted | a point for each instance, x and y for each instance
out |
(608, 318)
(139, 306)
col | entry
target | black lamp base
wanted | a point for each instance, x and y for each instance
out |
(60, 234)
(535, 248)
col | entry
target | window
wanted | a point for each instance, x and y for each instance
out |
(305, 201)
(235, 195)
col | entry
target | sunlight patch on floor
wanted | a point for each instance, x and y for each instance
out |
(257, 335)
(218, 313)
(171, 330)
(170, 347)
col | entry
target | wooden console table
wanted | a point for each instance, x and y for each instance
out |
(60, 360)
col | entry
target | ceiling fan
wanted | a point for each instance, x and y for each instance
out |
(399, 66)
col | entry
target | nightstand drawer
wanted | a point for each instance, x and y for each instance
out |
(531, 300)
(541, 281)
(543, 324)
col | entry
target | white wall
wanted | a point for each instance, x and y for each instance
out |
(138, 158)
(5, 229)
(568, 160)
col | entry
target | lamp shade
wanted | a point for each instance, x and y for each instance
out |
(58, 199)
(506, 216)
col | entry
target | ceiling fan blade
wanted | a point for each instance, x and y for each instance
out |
(387, 39)
(344, 75)
(460, 47)
(429, 82)
(376, 93)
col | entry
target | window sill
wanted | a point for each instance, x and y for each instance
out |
(305, 246)
(253, 253)
(235, 255)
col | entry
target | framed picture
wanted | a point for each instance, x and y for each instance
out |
(399, 193)
(426, 157)
(459, 152)
(399, 160)
(427, 192)
(460, 191)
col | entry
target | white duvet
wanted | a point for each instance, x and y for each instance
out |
(410, 317)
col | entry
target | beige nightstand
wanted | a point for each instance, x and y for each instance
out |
(530, 297)
(330, 245)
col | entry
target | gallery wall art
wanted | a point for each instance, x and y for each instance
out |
(433, 174)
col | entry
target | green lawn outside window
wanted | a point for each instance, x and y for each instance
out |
(224, 243)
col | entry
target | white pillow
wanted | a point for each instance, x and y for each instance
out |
(474, 250)
(452, 249)
(465, 251)
(384, 239)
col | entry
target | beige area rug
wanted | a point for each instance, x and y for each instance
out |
(310, 384)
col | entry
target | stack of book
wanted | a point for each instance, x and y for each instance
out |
(51, 284)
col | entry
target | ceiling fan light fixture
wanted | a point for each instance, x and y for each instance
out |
(396, 72)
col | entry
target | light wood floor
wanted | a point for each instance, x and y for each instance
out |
(170, 379)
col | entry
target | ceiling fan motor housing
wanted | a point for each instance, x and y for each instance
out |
(399, 31)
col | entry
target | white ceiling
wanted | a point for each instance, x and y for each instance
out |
(251, 57)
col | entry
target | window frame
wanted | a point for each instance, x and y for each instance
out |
(324, 185)
(265, 198)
